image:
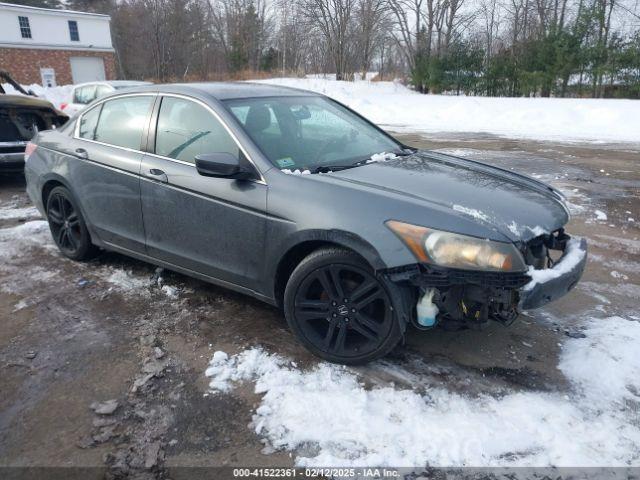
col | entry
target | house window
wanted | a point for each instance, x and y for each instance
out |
(73, 31)
(25, 29)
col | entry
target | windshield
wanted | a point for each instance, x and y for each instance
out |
(306, 133)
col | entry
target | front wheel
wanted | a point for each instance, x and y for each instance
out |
(339, 309)
(67, 226)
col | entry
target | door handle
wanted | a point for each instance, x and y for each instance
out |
(82, 153)
(157, 174)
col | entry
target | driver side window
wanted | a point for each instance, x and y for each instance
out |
(186, 129)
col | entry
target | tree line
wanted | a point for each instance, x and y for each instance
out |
(586, 48)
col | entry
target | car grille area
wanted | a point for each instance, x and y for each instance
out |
(433, 276)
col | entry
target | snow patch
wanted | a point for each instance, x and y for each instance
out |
(519, 230)
(56, 95)
(600, 215)
(572, 256)
(171, 292)
(11, 213)
(24, 303)
(538, 230)
(472, 212)
(605, 365)
(347, 424)
(618, 275)
(381, 157)
(126, 281)
(297, 171)
(513, 228)
(14, 240)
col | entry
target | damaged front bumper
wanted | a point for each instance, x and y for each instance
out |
(550, 284)
(471, 297)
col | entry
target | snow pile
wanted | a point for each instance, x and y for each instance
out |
(126, 281)
(14, 240)
(12, 213)
(572, 256)
(394, 106)
(56, 95)
(346, 424)
(381, 157)
(520, 230)
(297, 171)
(600, 215)
(171, 292)
(605, 365)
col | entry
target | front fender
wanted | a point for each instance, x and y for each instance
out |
(339, 237)
(299, 242)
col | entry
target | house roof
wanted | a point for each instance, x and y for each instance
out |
(51, 11)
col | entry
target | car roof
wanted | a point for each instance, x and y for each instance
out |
(228, 90)
(113, 83)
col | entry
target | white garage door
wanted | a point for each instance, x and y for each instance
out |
(87, 69)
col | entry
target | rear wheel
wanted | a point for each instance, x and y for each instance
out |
(339, 309)
(67, 226)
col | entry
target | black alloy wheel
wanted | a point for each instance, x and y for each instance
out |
(67, 225)
(339, 309)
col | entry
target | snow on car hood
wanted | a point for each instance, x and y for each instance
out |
(519, 207)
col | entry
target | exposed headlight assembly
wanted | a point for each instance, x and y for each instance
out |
(458, 251)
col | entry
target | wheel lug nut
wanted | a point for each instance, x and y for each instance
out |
(333, 303)
(346, 300)
(334, 315)
(353, 310)
(346, 320)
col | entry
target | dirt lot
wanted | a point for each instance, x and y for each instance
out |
(73, 334)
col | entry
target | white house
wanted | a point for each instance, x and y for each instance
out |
(40, 45)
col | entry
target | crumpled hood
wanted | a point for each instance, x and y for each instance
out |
(519, 207)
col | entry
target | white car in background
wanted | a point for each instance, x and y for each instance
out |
(85, 93)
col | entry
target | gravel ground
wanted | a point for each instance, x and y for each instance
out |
(102, 363)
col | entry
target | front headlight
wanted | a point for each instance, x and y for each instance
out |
(457, 251)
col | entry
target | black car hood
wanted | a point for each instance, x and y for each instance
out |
(518, 207)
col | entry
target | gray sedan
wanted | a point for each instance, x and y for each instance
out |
(292, 198)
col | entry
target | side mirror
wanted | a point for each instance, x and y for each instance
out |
(222, 165)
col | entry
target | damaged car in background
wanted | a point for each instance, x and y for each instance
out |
(295, 199)
(21, 117)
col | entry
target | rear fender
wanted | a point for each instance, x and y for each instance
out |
(54, 177)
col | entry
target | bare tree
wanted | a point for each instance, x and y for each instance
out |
(371, 25)
(333, 18)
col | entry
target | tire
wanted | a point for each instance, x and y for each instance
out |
(67, 225)
(340, 310)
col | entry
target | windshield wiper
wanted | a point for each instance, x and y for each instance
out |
(335, 168)
(405, 152)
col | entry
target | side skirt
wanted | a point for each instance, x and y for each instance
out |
(188, 272)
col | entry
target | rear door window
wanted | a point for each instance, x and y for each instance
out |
(122, 121)
(186, 129)
(88, 123)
